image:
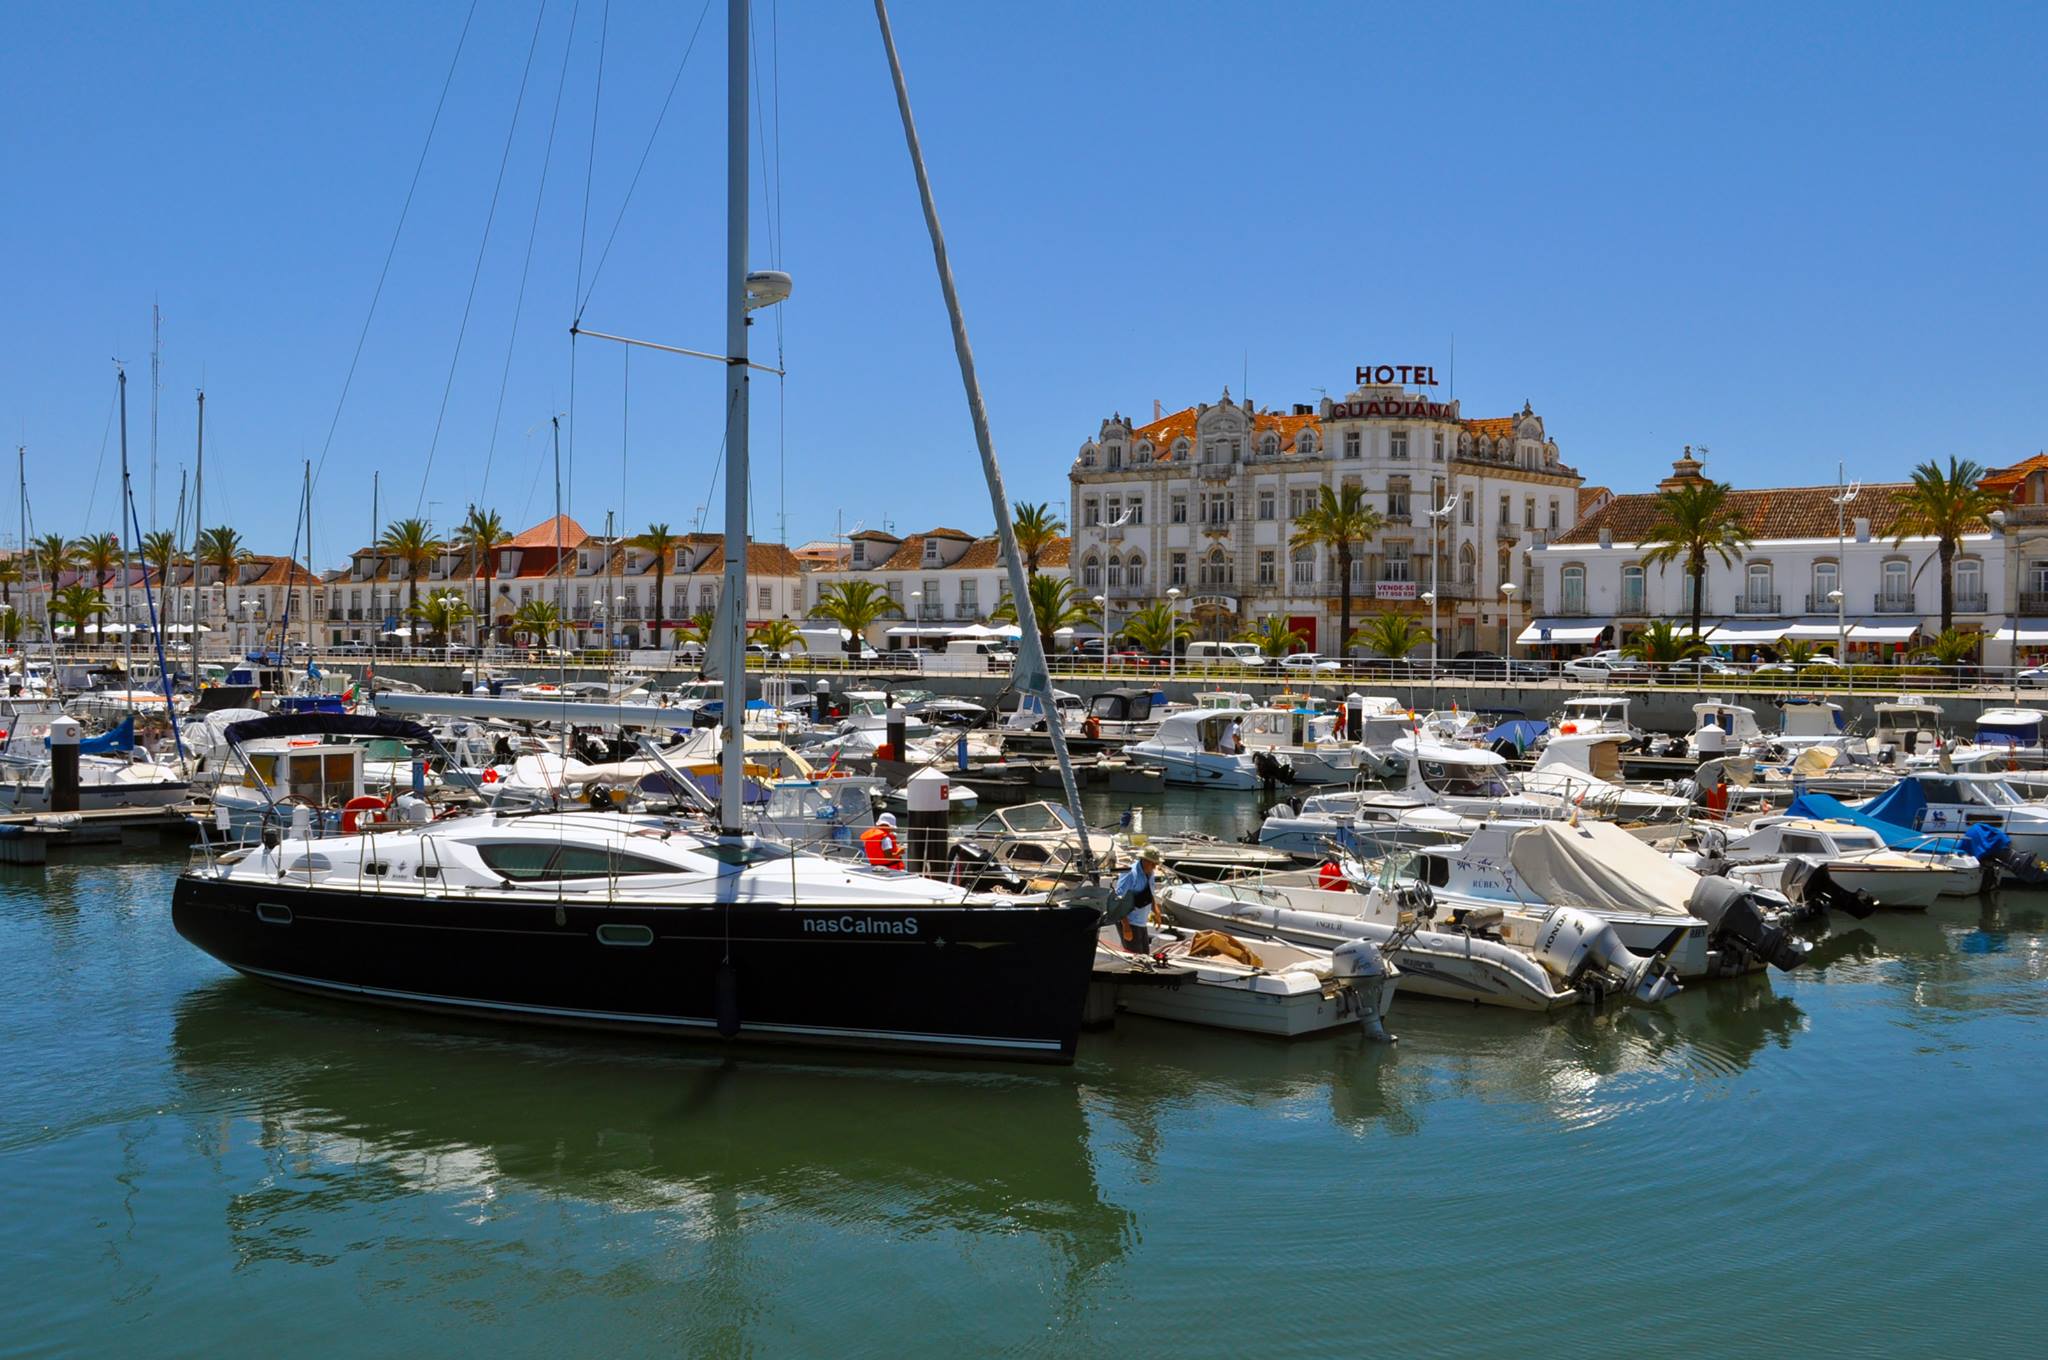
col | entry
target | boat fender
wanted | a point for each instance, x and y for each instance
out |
(726, 999)
(359, 813)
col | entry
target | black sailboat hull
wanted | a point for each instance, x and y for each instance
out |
(995, 981)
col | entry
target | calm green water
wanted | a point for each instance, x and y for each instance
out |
(1844, 1162)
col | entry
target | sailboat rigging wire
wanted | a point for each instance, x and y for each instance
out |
(1034, 673)
(583, 296)
(163, 665)
(100, 466)
(383, 273)
(482, 247)
(578, 330)
(526, 262)
(604, 33)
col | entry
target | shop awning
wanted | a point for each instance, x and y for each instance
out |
(1887, 630)
(1748, 633)
(2032, 632)
(1541, 631)
(1812, 630)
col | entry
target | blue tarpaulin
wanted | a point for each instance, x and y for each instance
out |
(121, 738)
(1894, 822)
(1520, 733)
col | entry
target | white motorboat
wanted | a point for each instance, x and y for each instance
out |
(1258, 985)
(1948, 803)
(1855, 857)
(1595, 714)
(1722, 729)
(1584, 770)
(1909, 725)
(1575, 957)
(1804, 722)
(1199, 748)
(1301, 746)
(1362, 823)
(1471, 781)
(1704, 926)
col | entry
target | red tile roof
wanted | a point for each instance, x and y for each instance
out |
(2009, 479)
(1492, 427)
(1777, 513)
(1163, 431)
(543, 534)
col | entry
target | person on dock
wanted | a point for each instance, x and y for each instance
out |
(884, 851)
(1130, 904)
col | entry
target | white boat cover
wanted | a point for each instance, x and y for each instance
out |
(1444, 753)
(1597, 864)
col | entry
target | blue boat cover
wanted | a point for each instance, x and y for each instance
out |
(121, 738)
(1520, 733)
(1898, 834)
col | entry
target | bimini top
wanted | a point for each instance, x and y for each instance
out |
(325, 725)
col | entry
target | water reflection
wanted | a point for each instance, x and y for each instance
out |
(349, 1108)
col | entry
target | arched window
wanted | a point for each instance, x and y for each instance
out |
(1216, 568)
(1897, 595)
(1269, 444)
(1468, 566)
(1116, 455)
(1144, 451)
(1632, 590)
(1180, 450)
(1757, 596)
(1572, 590)
(1116, 571)
(1826, 580)
(1087, 455)
(1305, 442)
(1091, 571)
(1134, 571)
(1302, 569)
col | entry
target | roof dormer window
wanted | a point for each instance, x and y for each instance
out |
(860, 554)
(931, 550)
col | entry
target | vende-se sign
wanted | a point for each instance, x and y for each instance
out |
(1393, 590)
(1379, 375)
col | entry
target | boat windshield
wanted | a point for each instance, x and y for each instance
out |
(1996, 792)
(1037, 817)
(1398, 870)
(1463, 781)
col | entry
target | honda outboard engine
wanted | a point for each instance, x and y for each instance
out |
(1371, 975)
(1583, 949)
(1736, 922)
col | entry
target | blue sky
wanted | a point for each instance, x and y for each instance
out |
(1790, 233)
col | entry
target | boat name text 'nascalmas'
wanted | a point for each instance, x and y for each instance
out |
(861, 925)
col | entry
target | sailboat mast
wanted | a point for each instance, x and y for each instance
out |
(732, 773)
(198, 528)
(308, 590)
(127, 650)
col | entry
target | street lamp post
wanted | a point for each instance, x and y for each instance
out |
(1507, 593)
(1430, 597)
(1172, 631)
(1103, 600)
(1437, 517)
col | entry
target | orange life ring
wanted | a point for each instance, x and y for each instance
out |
(352, 819)
(491, 774)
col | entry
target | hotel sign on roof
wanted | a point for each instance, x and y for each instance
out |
(1393, 410)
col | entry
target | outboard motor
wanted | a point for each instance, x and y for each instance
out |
(1583, 949)
(1992, 846)
(1371, 975)
(976, 870)
(1811, 886)
(1736, 921)
(1273, 769)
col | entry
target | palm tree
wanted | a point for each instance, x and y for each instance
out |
(11, 575)
(10, 627)
(443, 612)
(659, 541)
(77, 603)
(855, 606)
(1053, 606)
(222, 549)
(1037, 528)
(1956, 646)
(1661, 641)
(1695, 519)
(778, 635)
(481, 534)
(1944, 506)
(415, 547)
(1158, 629)
(1797, 652)
(50, 556)
(1338, 520)
(97, 554)
(1274, 637)
(537, 619)
(696, 628)
(1390, 635)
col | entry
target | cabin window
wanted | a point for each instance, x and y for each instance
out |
(1798, 843)
(520, 863)
(523, 862)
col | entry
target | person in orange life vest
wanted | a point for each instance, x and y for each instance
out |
(1091, 727)
(1330, 877)
(883, 849)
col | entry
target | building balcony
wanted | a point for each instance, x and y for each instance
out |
(1979, 603)
(1507, 533)
(2034, 602)
(1819, 603)
(334, 616)
(966, 611)
(1754, 603)
(1893, 604)
(1569, 609)
(355, 616)
(2026, 514)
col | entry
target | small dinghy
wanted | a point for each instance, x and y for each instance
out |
(1258, 986)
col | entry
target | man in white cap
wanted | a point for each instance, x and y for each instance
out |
(1131, 905)
(883, 849)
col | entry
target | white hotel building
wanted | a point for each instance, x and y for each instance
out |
(1204, 501)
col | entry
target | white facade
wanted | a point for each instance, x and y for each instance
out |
(1204, 501)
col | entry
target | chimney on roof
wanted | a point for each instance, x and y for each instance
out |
(1155, 408)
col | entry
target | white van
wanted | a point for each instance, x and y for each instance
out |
(1225, 654)
(971, 656)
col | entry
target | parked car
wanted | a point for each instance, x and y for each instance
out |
(338, 649)
(1788, 668)
(1311, 662)
(2033, 677)
(1695, 669)
(690, 653)
(1492, 666)
(1225, 654)
(903, 659)
(1603, 668)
